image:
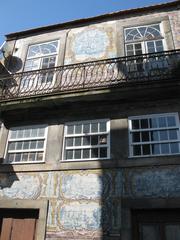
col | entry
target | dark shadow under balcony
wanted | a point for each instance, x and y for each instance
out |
(108, 73)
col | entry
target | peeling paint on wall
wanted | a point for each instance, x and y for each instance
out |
(90, 43)
(25, 187)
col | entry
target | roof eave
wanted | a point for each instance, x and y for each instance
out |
(75, 23)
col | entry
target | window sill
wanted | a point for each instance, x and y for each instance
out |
(85, 160)
(23, 163)
(153, 156)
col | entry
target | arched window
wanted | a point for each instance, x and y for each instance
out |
(144, 39)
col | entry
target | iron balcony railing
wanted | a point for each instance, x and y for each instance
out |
(90, 75)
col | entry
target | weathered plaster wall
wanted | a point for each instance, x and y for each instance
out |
(79, 201)
(97, 41)
(85, 203)
(100, 40)
(175, 24)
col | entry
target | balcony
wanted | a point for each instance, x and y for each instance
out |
(108, 73)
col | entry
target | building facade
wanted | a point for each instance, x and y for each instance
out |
(90, 133)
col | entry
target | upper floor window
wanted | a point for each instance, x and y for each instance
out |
(143, 39)
(157, 134)
(87, 140)
(26, 144)
(40, 56)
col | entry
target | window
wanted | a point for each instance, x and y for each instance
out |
(144, 39)
(40, 56)
(153, 135)
(87, 140)
(26, 144)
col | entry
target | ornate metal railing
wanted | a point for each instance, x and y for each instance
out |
(98, 74)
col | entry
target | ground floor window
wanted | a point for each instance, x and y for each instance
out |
(87, 140)
(152, 135)
(26, 144)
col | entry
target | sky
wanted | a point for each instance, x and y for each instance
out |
(19, 15)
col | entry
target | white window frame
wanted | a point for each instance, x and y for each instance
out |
(88, 134)
(46, 55)
(35, 81)
(140, 117)
(144, 42)
(28, 150)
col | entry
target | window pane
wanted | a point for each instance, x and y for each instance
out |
(162, 121)
(137, 150)
(144, 123)
(86, 153)
(13, 134)
(129, 47)
(26, 145)
(11, 157)
(94, 140)
(39, 156)
(78, 141)
(69, 154)
(70, 129)
(136, 137)
(94, 153)
(86, 128)
(20, 133)
(151, 47)
(159, 46)
(171, 121)
(146, 149)
(40, 144)
(41, 132)
(163, 135)
(86, 141)
(138, 48)
(145, 136)
(12, 146)
(94, 127)
(24, 157)
(33, 144)
(32, 157)
(173, 135)
(17, 157)
(153, 123)
(69, 142)
(135, 124)
(103, 152)
(103, 139)
(77, 154)
(165, 148)
(34, 132)
(156, 149)
(27, 133)
(102, 127)
(174, 147)
(155, 136)
(19, 145)
(78, 128)
(47, 48)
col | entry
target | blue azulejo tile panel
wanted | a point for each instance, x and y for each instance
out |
(155, 182)
(87, 186)
(80, 216)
